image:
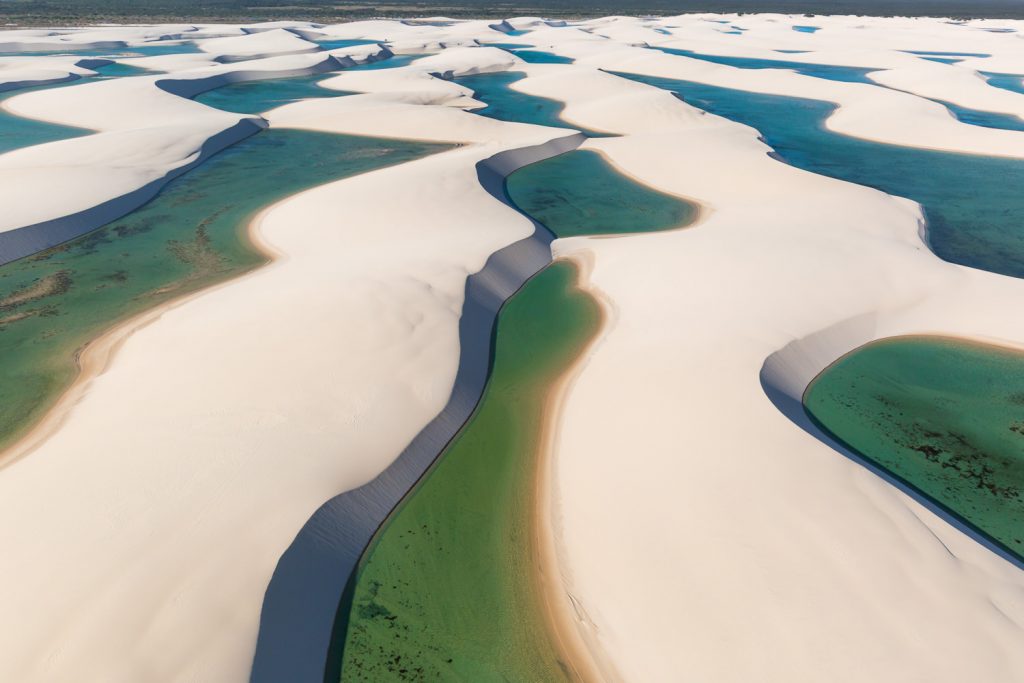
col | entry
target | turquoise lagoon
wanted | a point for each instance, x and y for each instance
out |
(975, 213)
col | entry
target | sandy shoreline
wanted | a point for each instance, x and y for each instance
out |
(567, 623)
(95, 356)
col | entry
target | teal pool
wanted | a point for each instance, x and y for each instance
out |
(1011, 82)
(17, 131)
(256, 97)
(852, 74)
(506, 104)
(335, 44)
(973, 208)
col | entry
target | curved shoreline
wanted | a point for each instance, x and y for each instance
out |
(95, 356)
(570, 627)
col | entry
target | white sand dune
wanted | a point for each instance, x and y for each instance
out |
(275, 41)
(153, 135)
(25, 72)
(338, 392)
(702, 534)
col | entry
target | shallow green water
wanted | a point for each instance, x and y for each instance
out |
(579, 193)
(119, 70)
(945, 416)
(190, 236)
(973, 205)
(447, 591)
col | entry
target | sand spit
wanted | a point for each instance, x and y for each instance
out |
(740, 547)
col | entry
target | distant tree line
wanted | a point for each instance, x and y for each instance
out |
(59, 12)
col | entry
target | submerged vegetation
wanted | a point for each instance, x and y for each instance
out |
(193, 234)
(450, 587)
(944, 415)
(448, 590)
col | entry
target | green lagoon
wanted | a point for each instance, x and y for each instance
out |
(944, 415)
(580, 193)
(192, 235)
(449, 588)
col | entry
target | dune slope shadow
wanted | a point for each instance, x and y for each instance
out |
(297, 624)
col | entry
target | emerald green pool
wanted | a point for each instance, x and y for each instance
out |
(190, 236)
(944, 415)
(448, 590)
(580, 193)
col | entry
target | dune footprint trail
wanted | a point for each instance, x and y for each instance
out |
(456, 584)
